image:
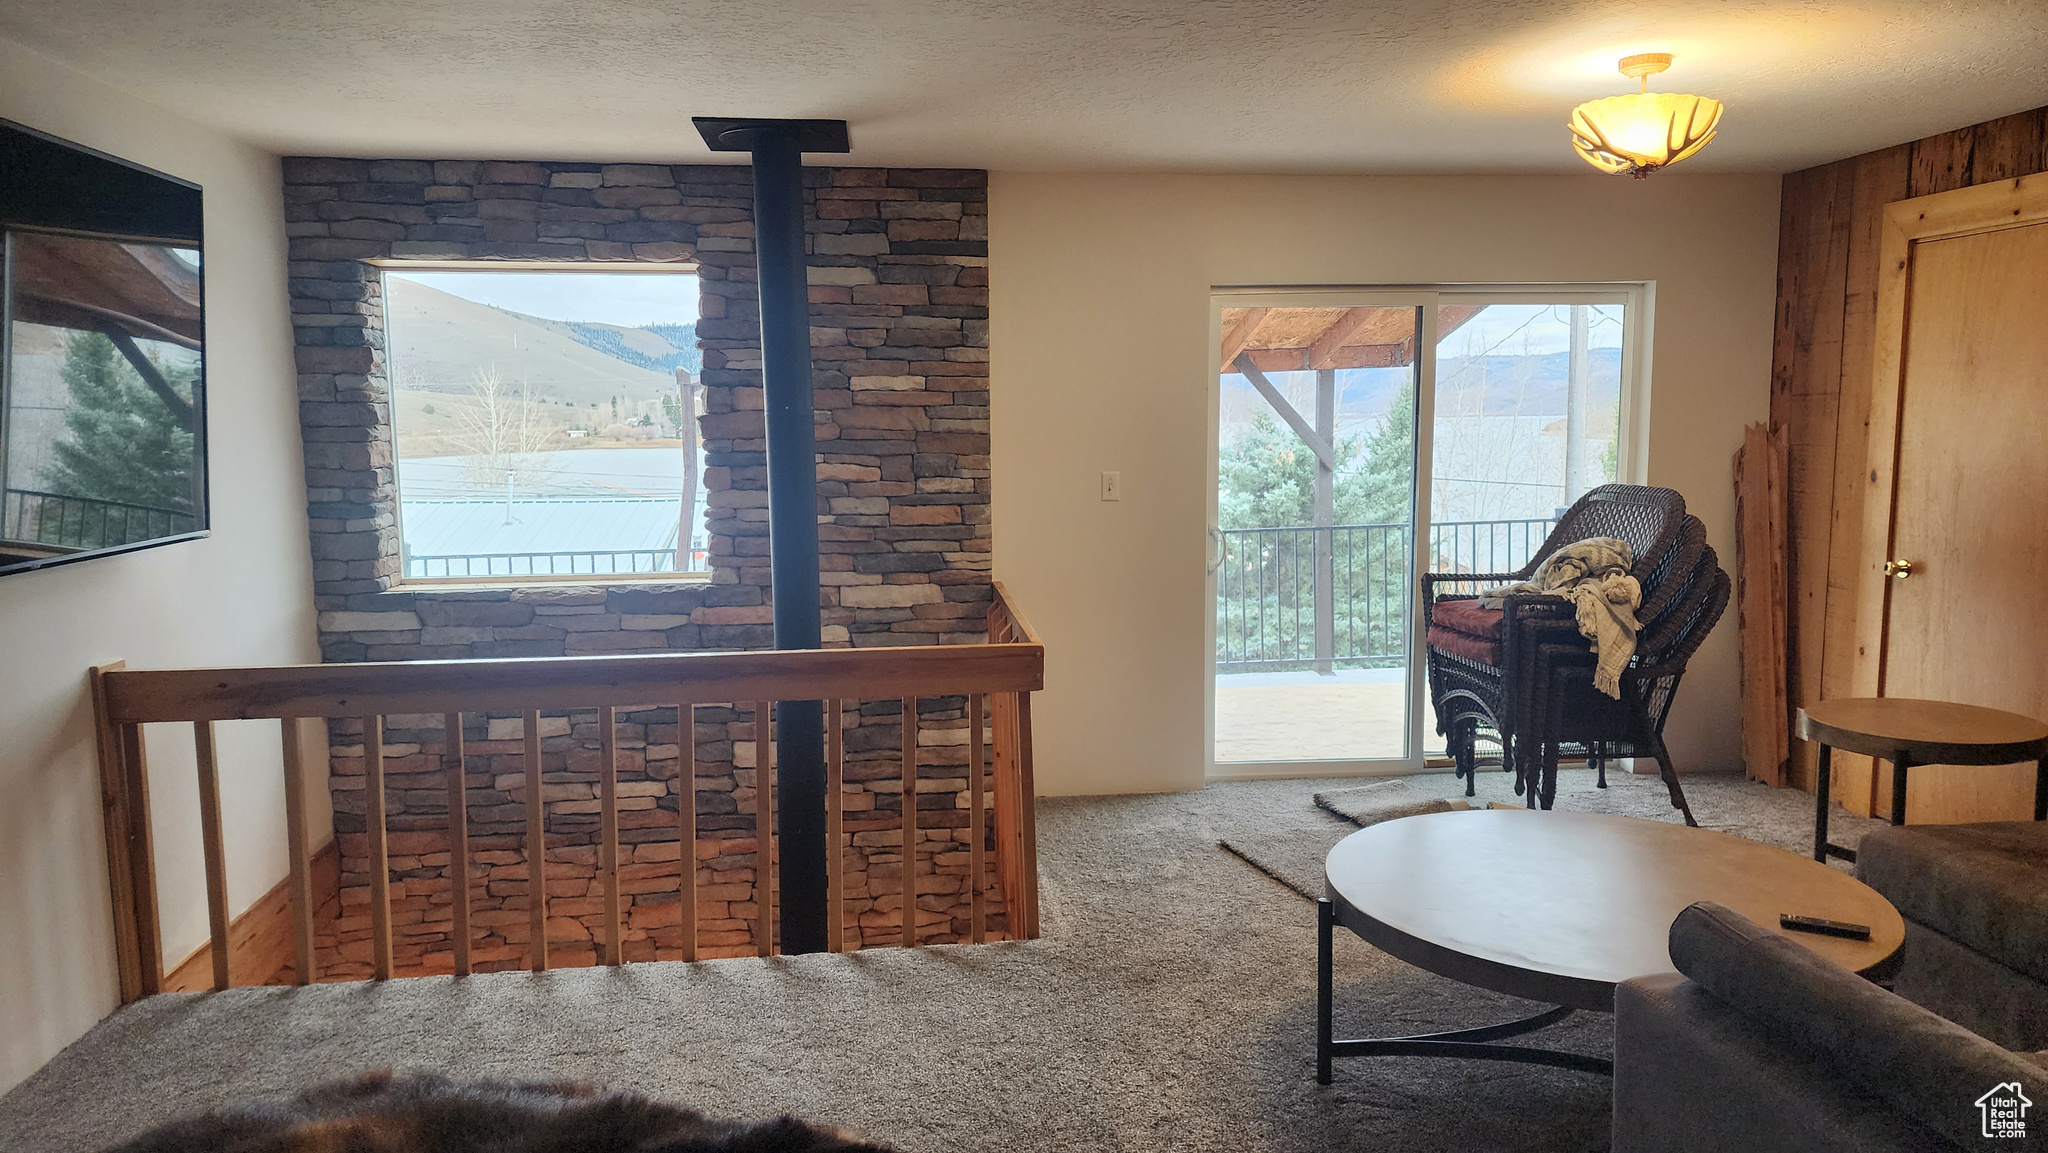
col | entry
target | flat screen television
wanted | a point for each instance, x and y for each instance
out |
(102, 355)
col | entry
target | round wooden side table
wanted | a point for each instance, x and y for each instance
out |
(1909, 732)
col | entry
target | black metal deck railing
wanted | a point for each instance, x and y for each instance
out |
(1300, 597)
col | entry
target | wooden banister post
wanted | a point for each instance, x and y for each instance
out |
(380, 853)
(686, 818)
(536, 848)
(131, 860)
(212, 849)
(608, 831)
(296, 841)
(909, 822)
(458, 836)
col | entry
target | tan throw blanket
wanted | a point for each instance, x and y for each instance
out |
(1593, 575)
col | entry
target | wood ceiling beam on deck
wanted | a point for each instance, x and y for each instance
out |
(1240, 334)
(1322, 351)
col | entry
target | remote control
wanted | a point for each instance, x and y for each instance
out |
(1824, 927)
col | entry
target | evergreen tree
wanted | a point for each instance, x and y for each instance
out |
(1386, 484)
(124, 444)
(1266, 477)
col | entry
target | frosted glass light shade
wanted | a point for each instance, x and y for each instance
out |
(1643, 131)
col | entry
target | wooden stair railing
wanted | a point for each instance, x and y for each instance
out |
(996, 679)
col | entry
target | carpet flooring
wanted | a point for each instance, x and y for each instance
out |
(1169, 1006)
(1292, 852)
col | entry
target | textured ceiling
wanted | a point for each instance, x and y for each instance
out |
(1207, 85)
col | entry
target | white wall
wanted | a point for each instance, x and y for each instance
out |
(242, 596)
(1100, 355)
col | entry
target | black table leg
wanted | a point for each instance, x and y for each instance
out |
(1326, 923)
(1900, 763)
(1820, 803)
(1474, 1043)
(2041, 790)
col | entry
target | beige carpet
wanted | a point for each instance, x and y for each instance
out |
(1170, 1006)
(1293, 856)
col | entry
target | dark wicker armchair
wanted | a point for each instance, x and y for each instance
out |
(1482, 663)
(1571, 714)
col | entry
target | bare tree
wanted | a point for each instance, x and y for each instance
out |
(505, 433)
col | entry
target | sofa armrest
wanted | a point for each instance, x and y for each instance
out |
(1690, 1074)
(1922, 1066)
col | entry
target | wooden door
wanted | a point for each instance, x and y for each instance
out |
(1959, 437)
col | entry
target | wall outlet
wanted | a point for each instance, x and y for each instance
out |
(1112, 486)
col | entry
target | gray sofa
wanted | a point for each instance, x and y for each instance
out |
(1975, 899)
(1761, 1045)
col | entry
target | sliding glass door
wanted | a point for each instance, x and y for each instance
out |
(1361, 436)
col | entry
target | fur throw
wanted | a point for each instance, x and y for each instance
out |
(1593, 575)
(423, 1113)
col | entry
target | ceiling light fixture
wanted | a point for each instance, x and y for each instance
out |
(1639, 133)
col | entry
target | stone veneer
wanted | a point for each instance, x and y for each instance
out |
(899, 306)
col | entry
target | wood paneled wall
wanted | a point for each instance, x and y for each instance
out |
(1820, 373)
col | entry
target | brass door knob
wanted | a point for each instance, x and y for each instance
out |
(1898, 568)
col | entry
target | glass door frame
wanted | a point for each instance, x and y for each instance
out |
(1637, 299)
(1424, 301)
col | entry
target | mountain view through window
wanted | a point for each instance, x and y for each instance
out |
(546, 422)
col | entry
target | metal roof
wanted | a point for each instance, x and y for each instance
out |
(476, 527)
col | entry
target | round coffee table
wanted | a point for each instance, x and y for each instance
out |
(1560, 907)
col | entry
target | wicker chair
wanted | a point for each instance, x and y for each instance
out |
(1570, 714)
(1487, 686)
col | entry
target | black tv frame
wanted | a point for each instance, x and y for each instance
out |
(56, 186)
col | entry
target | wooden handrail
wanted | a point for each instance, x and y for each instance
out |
(141, 696)
(995, 680)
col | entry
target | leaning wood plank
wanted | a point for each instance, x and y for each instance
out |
(569, 682)
(380, 856)
(536, 848)
(458, 836)
(909, 822)
(835, 822)
(213, 848)
(1759, 543)
(301, 858)
(977, 868)
(117, 811)
(686, 817)
(608, 831)
(764, 828)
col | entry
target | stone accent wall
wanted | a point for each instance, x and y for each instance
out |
(899, 304)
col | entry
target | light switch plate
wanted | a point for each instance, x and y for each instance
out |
(1112, 486)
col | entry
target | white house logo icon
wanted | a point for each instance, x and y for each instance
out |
(2005, 1110)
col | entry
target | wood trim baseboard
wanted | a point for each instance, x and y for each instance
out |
(261, 949)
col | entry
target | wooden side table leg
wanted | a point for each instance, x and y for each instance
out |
(1900, 763)
(1823, 770)
(1326, 923)
(2041, 790)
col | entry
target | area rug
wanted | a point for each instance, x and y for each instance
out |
(1293, 855)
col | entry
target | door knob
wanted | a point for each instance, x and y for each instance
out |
(1898, 568)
